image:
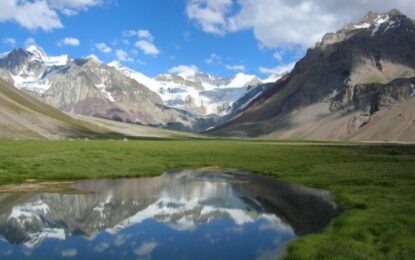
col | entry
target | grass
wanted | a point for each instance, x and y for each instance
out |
(375, 184)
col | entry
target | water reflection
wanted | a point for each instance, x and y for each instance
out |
(188, 214)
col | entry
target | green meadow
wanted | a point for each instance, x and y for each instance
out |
(374, 184)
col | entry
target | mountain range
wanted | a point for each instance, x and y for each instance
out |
(355, 84)
(190, 101)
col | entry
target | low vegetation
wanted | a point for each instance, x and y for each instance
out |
(374, 184)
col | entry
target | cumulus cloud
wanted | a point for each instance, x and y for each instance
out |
(101, 247)
(30, 41)
(41, 14)
(147, 47)
(278, 55)
(102, 47)
(69, 252)
(69, 41)
(184, 71)
(235, 67)
(73, 7)
(279, 70)
(282, 23)
(145, 42)
(123, 56)
(30, 15)
(210, 15)
(213, 58)
(9, 41)
(145, 34)
(145, 249)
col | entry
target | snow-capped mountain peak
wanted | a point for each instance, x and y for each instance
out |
(243, 80)
(39, 54)
(199, 98)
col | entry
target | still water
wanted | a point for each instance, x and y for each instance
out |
(183, 214)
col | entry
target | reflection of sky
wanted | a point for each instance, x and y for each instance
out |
(221, 239)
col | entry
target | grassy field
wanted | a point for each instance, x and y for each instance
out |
(375, 184)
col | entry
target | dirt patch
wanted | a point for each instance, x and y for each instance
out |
(31, 186)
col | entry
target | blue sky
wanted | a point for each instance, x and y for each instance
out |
(221, 37)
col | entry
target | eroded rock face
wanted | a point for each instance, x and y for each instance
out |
(372, 97)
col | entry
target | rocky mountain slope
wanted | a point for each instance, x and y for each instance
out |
(356, 84)
(24, 117)
(88, 87)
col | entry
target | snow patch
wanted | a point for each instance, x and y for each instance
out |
(392, 25)
(28, 212)
(30, 82)
(40, 55)
(250, 100)
(413, 90)
(362, 26)
(103, 89)
(241, 80)
(378, 22)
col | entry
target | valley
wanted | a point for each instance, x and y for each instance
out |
(219, 129)
(366, 180)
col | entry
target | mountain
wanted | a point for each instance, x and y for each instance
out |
(85, 86)
(199, 93)
(24, 117)
(356, 84)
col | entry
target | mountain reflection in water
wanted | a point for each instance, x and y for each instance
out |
(191, 214)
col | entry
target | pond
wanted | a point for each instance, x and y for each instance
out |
(182, 214)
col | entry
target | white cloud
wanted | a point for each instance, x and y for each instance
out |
(129, 33)
(102, 47)
(145, 249)
(284, 23)
(101, 247)
(213, 58)
(145, 34)
(210, 15)
(235, 67)
(69, 252)
(278, 55)
(277, 70)
(69, 41)
(123, 56)
(184, 71)
(30, 15)
(9, 41)
(73, 7)
(30, 41)
(146, 42)
(42, 14)
(147, 47)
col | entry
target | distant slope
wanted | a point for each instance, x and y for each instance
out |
(356, 84)
(134, 130)
(24, 117)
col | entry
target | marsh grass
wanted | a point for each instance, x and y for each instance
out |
(374, 184)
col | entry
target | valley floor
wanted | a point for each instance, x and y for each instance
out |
(374, 183)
